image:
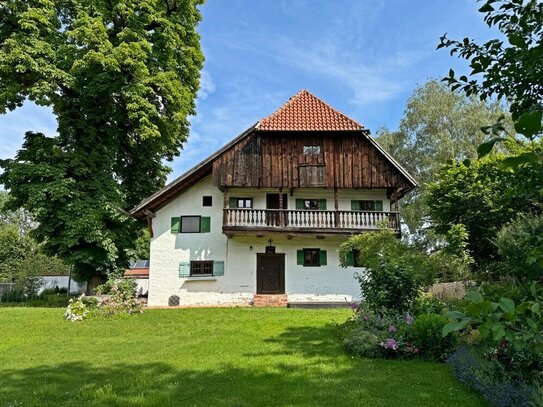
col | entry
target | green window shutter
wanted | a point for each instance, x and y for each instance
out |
(205, 224)
(176, 225)
(379, 206)
(323, 259)
(355, 205)
(300, 257)
(184, 269)
(233, 203)
(218, 268)
(299, 204)
(322, 204)
(350, 258)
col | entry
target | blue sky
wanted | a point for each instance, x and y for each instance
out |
(364, 57)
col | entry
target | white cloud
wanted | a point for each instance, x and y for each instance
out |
(207, 86)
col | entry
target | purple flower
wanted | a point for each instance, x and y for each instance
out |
(390, 344)
(392, 329)
(408, 319)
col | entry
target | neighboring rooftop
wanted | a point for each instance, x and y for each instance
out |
(306, 112)
(138, 269)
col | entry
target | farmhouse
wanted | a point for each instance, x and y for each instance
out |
(261, 219)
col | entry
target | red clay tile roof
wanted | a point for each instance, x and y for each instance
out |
(305, 111)
(137, 273)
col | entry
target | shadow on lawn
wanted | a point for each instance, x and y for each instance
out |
(320, 376)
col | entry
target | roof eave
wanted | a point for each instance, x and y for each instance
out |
(138, 211)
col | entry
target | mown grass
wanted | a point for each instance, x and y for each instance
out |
(205, 357)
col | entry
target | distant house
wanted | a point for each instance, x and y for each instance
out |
(266, 213)
(139, 271)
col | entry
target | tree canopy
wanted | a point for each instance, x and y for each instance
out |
(484, 196)
(121, 77)
(438, 125)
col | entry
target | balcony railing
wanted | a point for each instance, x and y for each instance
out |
(308, 220)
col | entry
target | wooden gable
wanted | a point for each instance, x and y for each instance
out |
(277, 160)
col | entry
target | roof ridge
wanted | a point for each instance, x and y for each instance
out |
(299, 113)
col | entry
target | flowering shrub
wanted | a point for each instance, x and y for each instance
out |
(380, 334)
(489, 378)
(362, 343)
(80, 308)
(118, 296)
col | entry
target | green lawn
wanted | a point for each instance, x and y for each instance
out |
(205, 357)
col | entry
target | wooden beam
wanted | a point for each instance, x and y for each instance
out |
(150, 225)
(336, 206)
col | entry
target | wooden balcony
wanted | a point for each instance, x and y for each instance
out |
(317, 222)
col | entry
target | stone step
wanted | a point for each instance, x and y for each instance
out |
(270, 300)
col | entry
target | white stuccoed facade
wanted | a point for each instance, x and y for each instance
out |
(238, 284)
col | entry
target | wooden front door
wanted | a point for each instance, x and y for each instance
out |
(270, 273)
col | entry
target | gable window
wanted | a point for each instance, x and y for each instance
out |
(367, 205)
(201, 268)
(312, 150)
(207, 201)
(190, 224)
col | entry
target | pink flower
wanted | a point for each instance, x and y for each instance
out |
(390, 344)
(392, 329)
(408, 319)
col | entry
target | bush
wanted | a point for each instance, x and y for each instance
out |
(510, 332)
(379, 334)
(80, 308)
(362, 343)
(426, 335)
(394, 271)
(495, 291)
(390, 285)
(537, 397)
(515, 247)
(119, 298)
(14, 295)
(427, 303)
(52, 300)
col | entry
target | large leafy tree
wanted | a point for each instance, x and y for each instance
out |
(438, 125)
(484, 196)
(510, 68)
(121, 77)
